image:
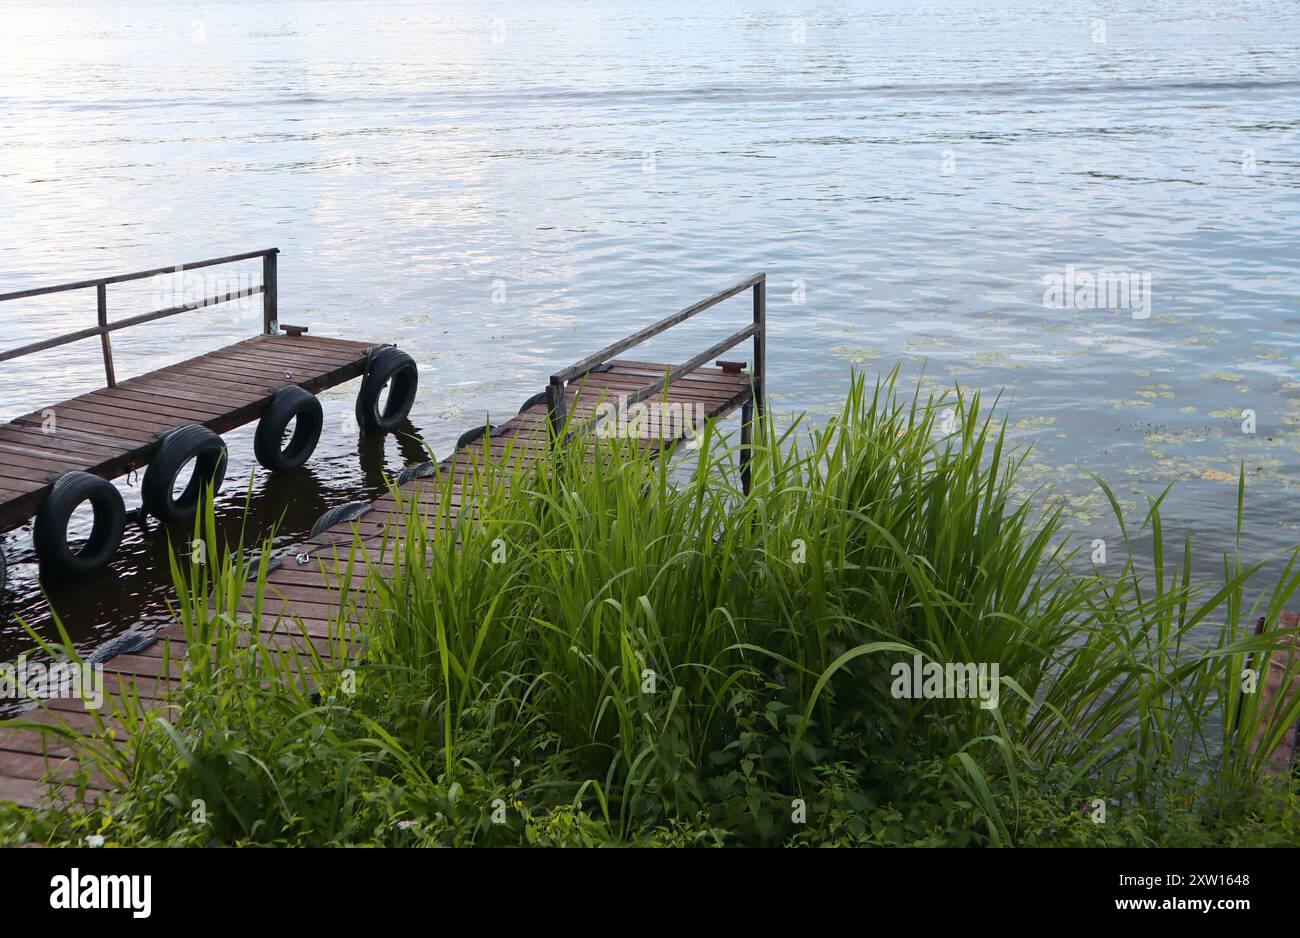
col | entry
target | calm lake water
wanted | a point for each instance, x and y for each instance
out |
(501, 188)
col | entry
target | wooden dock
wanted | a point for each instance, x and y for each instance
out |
(111, 431)
(301, 594)
(304, 586)
(1277, 691)
(65, 454)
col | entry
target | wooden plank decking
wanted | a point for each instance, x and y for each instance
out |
(302, 595)
(116, 429)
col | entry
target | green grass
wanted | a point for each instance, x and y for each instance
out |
(602, 653)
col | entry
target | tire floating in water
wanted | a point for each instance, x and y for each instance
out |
(50, 532)
(392, 368)
(289, 404)
(180, 447)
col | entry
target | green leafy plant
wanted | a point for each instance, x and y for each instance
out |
(592, 649)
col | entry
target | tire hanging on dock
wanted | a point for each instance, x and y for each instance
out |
(50, 532)
(391, 367)
(424, 470)
(475, 433)
(349, 511)
(183, 445)
(289, 404)
(538, 398)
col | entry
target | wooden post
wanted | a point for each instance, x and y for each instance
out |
(270, 298)
(101, 296)
(555, 408)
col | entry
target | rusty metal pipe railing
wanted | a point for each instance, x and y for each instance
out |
(268, 289)
(757, 330)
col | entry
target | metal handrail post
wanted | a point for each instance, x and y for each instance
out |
(271, 293)
(760, 343)
(751, 412)
(101, 300)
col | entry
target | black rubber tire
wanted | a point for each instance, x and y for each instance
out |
(4, 573)
(424, 470)
(387, 364)
(50, 533)
(128, 643)
(538, 398)
(350, 511)
(472, 434)
(287, 403)
(180, 446)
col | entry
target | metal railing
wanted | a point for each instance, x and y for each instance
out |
(268, 288)
(555, 403)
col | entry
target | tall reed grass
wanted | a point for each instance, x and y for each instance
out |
(595, 650)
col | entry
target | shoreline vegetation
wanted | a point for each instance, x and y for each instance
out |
(600, 653)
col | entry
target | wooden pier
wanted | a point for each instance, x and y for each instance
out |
(111, 431)
(65, 453)
(304, 587)
(301, 593)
